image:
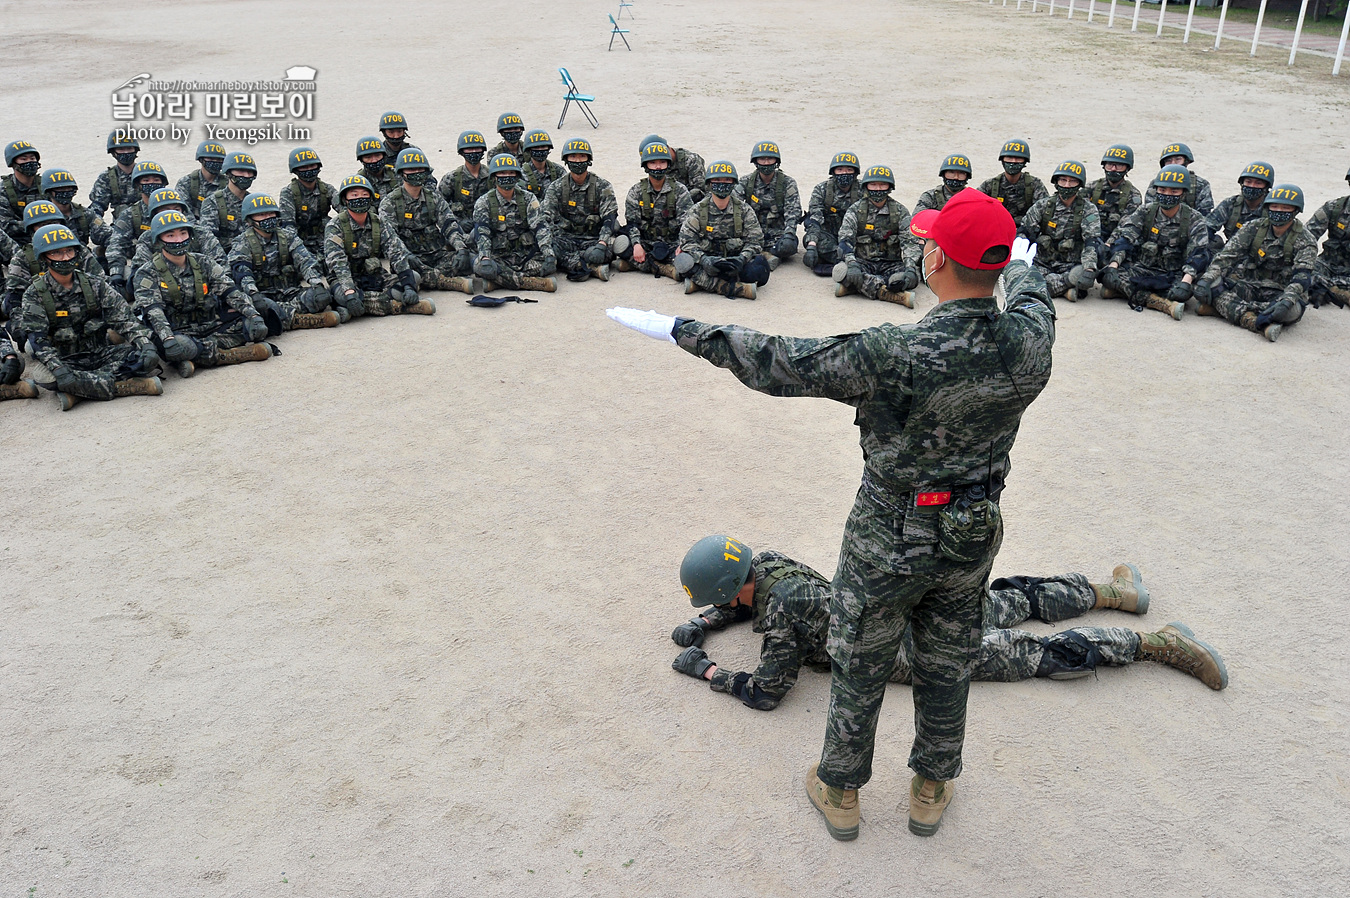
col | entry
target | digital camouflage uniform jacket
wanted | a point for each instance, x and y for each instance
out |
(346, 263)
(538, 182)
(1228, 218)
(1065, 236)
(103, 196)
(191, 313)
(1113, 203)
(879, 235)
(1176, 244)
(1259, 257)
(718, 237)
(76, 334)
(308, 210)
(203, 241)
(777, 204)
(194, 189)
(1016, 198)
(508, 236)
(126, 230)
(826, 210)
(25, 266)
(566, 208)
(220, 214)
(271, 279)
(90, 228)
(13, 197)
(461, 191)
(425, 224)
(652, 216)
(935, 198)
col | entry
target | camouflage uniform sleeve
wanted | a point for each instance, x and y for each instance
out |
(220, 284)
(1126, 235)
(693, 172)
(690, 238)
(385, 212)
(719, 617)
(780, 658)
(792, 207)
(149, 304)
(1233, 251)
(848, 232)
(1092, 234)
(1197, 248)
(209, 216)
(211, 246)
(1204, 197)
(754, 234)
(1028, 298)
(117, 313)
(335, 255)
(632, 213)
(446, 222)
(482, 229)
(815, 213)
(1038, 192)
(286, 206)
(121, 244)
(543, 228)
(394, 251)
(33, 321)
(927, 200)
(1305, 259)
(846, 368)
(1216, 219)
(1030, 225)
(1320, 222)
(911, 247)
(100, 195)
(609, 211)
(99, 231)
(142, 253)
(239, 253)
(89, 262)
(300, 255)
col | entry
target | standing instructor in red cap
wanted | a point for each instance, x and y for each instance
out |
(938, 406)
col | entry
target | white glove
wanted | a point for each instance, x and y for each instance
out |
(653, 324)
(1023, 250)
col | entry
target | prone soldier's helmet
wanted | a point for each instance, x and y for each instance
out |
(878, 174)
(241, 161)
(469, 141)
(1281, 194)
(578, 145)
(766, 148)
(146, 169)
(351, 182)
(16, 148)
(657, 150)
(955, 162)
(52, 237)
(845, 160)
(1119, 152)
(1018, 149)
(39, 213)
(410, 157)
(1176, 149)
(509, 122)
(1070, 168)
(393, 121)
(722, 168)
(1173, 176)
(164, 198)
(168, 220)
(303, 157)
(714, 570)
(59, 180)
(208, 149)
(1262, 171)
(257, 204)
(503, 163)
(122, 142)
(368, 146)
(537, 140)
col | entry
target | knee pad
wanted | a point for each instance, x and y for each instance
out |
(785, 246)
(1068, 655)
(684, 263)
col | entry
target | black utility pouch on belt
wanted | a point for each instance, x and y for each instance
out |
(967, 526)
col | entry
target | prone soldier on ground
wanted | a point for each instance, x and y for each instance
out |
(1263, 277)
(461, 190)
(368, 265)
(690, 169)
(134, 221)
(955, 173)
(1115, 197)
(583, 217)
(113, 188)
(777, 204)
(379, 174)
(20, 187)
(1332, 283)
(307, 201)
(59, 186)
(67, 314)
(220, 213)
(422, 219)
(880, 257)
(1014, 188)
(1242, 208)
(1159, 249)
(272, 265)
(830, 199)
(1067, 232)
(205, 179)
(513, 246)
(721, 240)
(654, 211)
(1199, 195)
(540, 171)
(202, 241)
(789, 603)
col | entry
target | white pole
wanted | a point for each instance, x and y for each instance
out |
(1071, 9)
(1260, 16)
(1135, 25)
(1186, 38)
(1223, 14)
(1092, 6)
(1052, 7)
(1162, 11)
(1111, 19)
(1298, 31)
(1033, 5)
(1340, 50)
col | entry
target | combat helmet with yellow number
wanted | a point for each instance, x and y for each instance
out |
(877, 174)
(1284, 195)
(578, 147)
(510, 126)
(146, 169)
(393, 121)
(1261, 171)
(39, 213)
(351, 182)
(52, 237)
(59, 184)
(654, 150)
(765, 149)
(1175, 149)
(1017, 149)
(258, 204)
(16, 148)
(537, 140)
(1121, 153)
(471, 142)
(1173, 176)
(845, 159)
(169, 220)
(503, 163)
(714, 570)
(956, 162)
(303, 162)
(369, 146)
(1069, 168)
(118, 139)
(721, 168)
(165, 197)
(412, 166)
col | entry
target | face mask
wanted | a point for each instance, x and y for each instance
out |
(1014, 168)
(721, 189)
(243, 182)
(878, 197)
(359, 204)
(658, 174)
(28, 169)
(176, 248)
(954, 184)
(511, 136)
(127, 159)
(62, 266)
(507, 182)
(415, 178)
(396, 144)
(767, 170)
(1114, 177)
(373, 169)
(267, 225)
(1252, 194)
(1279, 218)
(308, 175)
(539, 155)
(213, 165)
(1066, 193)
(845, 181)
(63, 197)
(923, 265)
(146, 187)
(1168, 202)
(578, 168)
(473, 157)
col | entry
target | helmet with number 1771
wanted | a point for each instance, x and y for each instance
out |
(714, 570)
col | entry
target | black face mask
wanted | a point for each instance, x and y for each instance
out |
(473, 157)
(1014, 168)
(1114, 177)
(415, 178)
(1254, 194)
(396, 144)
(1066, 193)
(539, 155)
(1168, 201)
(1279, 218)
(126, 159)
(177, 248)
(62, 197)
(373, 169)
(62, 266)
(954, 184)
(213, 165)
(147, 188)
(578, 168)
(507, 182)
(767, 170)
(512, 135)
(243, 182)
(845, 181)
(28, 169)
(878, 197)
(359, 204)
(658, 174)
(721, 189)
(267, 225)
(308, 175)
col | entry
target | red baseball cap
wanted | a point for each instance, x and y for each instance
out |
(971, 224)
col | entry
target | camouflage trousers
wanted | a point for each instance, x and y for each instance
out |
(516, 267)
(782, 244)
(827, 249)
(1331, 283)
(711, 283)
(567, 248)
(297, 300)
(1242, 297)
(874, 276)
(214, 336)
(1056, 275)
(871, 609)
(1007, 654)
(1138, 281)
(435, 268)
(95, 372)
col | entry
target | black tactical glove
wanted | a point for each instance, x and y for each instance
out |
(488, 269)
(905, 280)
(709, 264)
(1203, 290)
(690, 633)
(729, 269)
(1180, 292)
(65, 378)
(594, 255)
(12, 367)
(811, 257)
(13, 302)
(149, 359)
(409, 280)
(255, 329)
(692, 661)
(354, 303)
(1284, 310)
(180, 349)
(854, 271)
(462, 260)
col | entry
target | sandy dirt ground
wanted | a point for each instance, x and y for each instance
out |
(390, 614)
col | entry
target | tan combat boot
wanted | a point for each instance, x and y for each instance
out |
(1340, 293)
(1126, 591)
(1205, 310)
(249, 352)
(842, 289)
(745, 291)
(927, 800)
(468, 286)
(1165, 305)
(139, 386)
(185, 369)
(310, 320)
(1248, 321)
(67, 400)
(1273, 331)
(667, 271)
(1071, 295)
(690, 286)
(623, 265)
(1176, 646)
(840, 806)
(421, 307)
(599, 271)
(24, 389)
(115, 338)
(543, 285)
(1108, 293)
(899, 297)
